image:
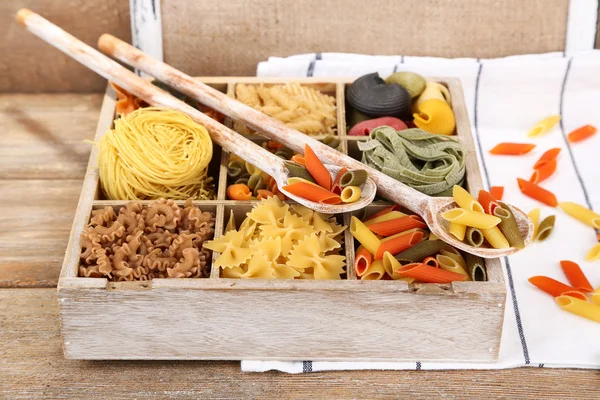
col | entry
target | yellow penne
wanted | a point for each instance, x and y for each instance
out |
(581, 213)
(350, 194)
(594, 253)
(596, 297)
(457, 230)
(361, 233)
(386, 217)
(449, 264)
(455, 255)
(297, 179)
(534, 216)
(544, 126)
(432, 236)
(495, 237)
(374, 272)
(579, 307)
(391, 264)
(471, 218)
(423, 231)
(465, 200)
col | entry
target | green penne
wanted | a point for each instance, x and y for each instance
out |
(353, 178)
(298, 171)
(546, 227)
(508, 226)
(474, 236)
(235, 168)
(476, 268)
(421, 251)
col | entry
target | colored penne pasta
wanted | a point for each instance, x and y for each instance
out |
(575, 293)
(581, 213)
(534, 216)
(362, 261)
(594, 253)
(497, 192)
(386, 210)
(471, 218)
(431, 261)
(508, 226)
(335, 187)
(296, 179)
(476, 268)
(353, 178)
(298, 171)
(454, 254)
(465, 200)
(239, 191)
(457, 230)
(398, 243)
(551, 286)
(575, 276)
(390, 264)
(474, 237)
(364, 236)
(579, 307)
(385, 217)
(298, 158)
(596, 297)
(313, 192)
(420, 251)
(544, 126)
(374, 271)
(545, 228)
(350, 194)
(547, 157)
(543, 172)
(582, 133)
(451, 265)
(425, 273)
(512, 149)
(495, 238)
(536, 192)
(488, 202)
(316, 168)
(397, 225)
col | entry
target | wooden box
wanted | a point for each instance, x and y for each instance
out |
(232, 319)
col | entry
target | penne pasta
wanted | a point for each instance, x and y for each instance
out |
(385, 217)
(397, 225)
(312, 192)
(512, 149)
(432, 236)
(386, 210)
(581, 213)
(420, 251)
(350, 194)
(596, 297)
(390, 264)
(476, 268)
(364, 236)
(449, 264)
(550, 286)
(575, 293)
(454, 254)
(425, 273)
(594, 253)
(457, 230)
(297, 179)
(471, 218)
(465, 200)
(335, 187)
(374, 272)
(544, 126)
(582, 133)
(298, 158)
(497, 192)
(545, 228)
(298, 171)
(431, 261)
(474, 237)
(575, 276)
(508, 226)
(353, 178)
(534, 216)
(362, 261)
(316, 168)
(536, 192)
(579, 307)
(488, 202)
(495, 238)
(398, 243)
(547, 157)
(543, 172)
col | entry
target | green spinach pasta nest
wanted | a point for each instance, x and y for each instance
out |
(429, 163)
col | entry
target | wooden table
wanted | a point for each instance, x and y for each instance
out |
(42, 162)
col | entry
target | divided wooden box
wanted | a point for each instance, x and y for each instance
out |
(233, 319)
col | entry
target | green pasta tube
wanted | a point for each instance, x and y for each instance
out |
(545, 228)
(353, 178)
(508, 226)
(235, 168)
(420, 251)
(331, 141)
(298, 171)
(476, 268)
(474, 236)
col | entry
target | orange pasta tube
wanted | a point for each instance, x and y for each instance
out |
(298, 158)
(335, 188)
(397, 225)
(273, 145)
(550, 286)
(313, 193)
(512, 149)
(488, 202)
(386, 210)
(575, 293)
(576, 276)
(316, 168)
(497, 192)
(362, 261)
(399, 243)
(582, 133)
(546, 157)
(543, 172)
(239, 191)
(431, 261)
(538, 193)
(428, 274)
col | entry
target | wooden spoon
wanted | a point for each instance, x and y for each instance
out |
(427, 207)
(220, 134)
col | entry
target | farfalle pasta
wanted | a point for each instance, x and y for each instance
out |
(161, 240)
(281, 241)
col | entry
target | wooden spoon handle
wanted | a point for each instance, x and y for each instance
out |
(386, 186)
(109, 69)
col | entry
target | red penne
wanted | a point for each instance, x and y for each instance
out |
(386, 210)
(427, 274)
(362, 261)
(316, 169)
(431, 261)
(297, 158)
(487, 201)
(335, 188)
(582, 133)
(538, 193)
(576, 276)
(512, 149)
(546, 157)
(313, 193)
(575, 293)
(399, 243)
(543, 172)
(550, 286)
(397, 225)
(497, 192)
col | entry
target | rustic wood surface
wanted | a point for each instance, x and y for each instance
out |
(31, 359)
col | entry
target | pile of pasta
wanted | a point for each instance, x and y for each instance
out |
(573, 298)
(485, 221)
(280, 241)
(398, 246)
(161, 240)
(299, 107)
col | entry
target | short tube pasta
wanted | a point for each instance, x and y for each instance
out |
(427, 274)
(596, 297)
(576, 277)
(488, 202)
(512, 149)
(449, 264)
(495, 238)
(497, 192)
(457, 230)
(581, 213)
(374, 272)
(398, 243)
(454, 254)
(551, 286)
(312, 192)
(476, 268)
(534, 216)
(364, 236)
(579, 307)
(353, 178)
(544, 126)
(362, 261)
(465, 200)
(384, 217)
(543, 172)
(508, 226)
(390, 264)
(471, 218)
(316, 168)
(594, 253)
(582, 133)
(397, 225)
(548, 156)
(350, 194)
(536, 192)
(420, 251)
(545, 228)
(474, 236)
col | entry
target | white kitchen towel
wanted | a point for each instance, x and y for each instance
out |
(505, 97)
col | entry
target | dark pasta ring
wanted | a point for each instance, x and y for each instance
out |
(370, 95)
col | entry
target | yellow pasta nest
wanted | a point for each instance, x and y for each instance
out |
(300, 107)
(281, 241)
(435, 116)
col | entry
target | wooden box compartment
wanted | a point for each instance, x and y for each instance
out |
(232, 319)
